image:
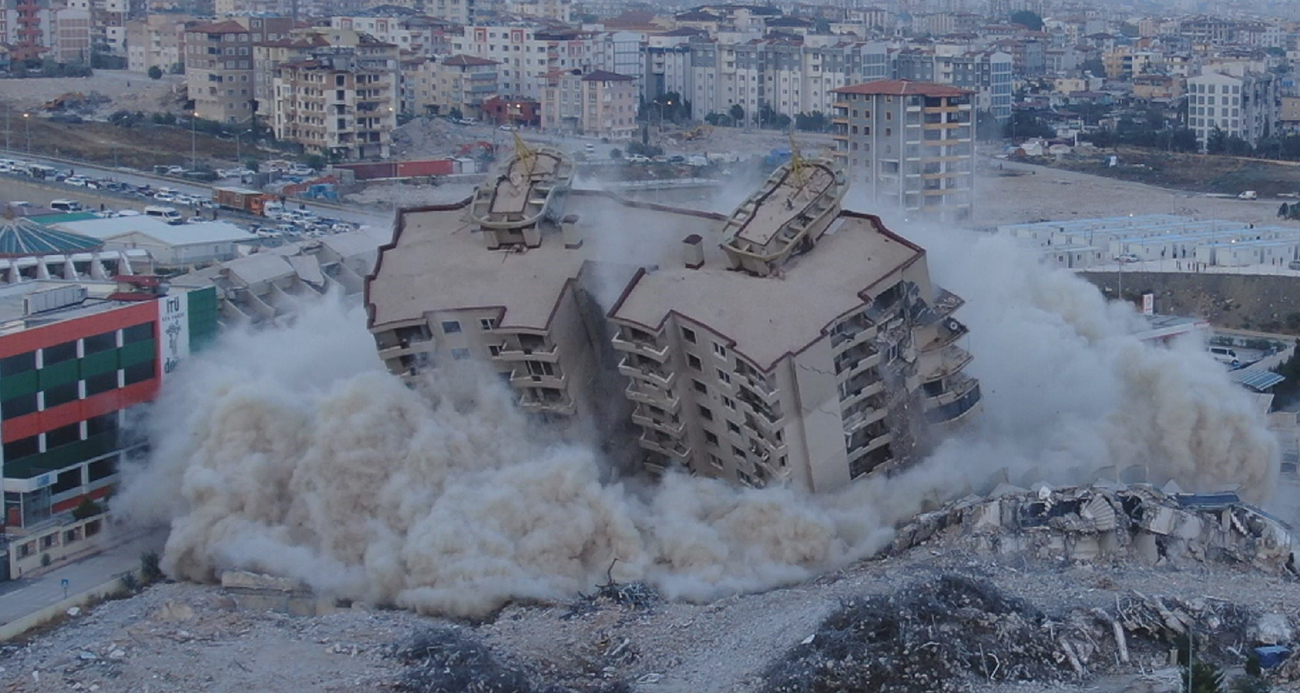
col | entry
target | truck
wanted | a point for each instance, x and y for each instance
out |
(241, 199)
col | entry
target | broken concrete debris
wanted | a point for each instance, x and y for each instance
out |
(954, 631)
(1090, 522)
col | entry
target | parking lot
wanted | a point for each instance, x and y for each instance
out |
(280, 222)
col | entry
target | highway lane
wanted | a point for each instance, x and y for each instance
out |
(348, 213)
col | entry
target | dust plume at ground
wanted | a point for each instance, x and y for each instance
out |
(292, 451)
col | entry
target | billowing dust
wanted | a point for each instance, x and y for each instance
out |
(292, 451)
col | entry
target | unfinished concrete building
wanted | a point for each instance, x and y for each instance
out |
(792, 343)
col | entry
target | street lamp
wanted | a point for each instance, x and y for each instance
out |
(239, 159)
(27, 118)
(194, 151)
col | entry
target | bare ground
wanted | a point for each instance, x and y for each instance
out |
(193, 637)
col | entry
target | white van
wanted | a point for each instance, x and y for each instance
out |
(65, 206)
(167, 214)
(1225, 355)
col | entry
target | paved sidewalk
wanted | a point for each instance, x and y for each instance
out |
(21, 597)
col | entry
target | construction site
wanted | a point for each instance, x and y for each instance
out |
(916, 460)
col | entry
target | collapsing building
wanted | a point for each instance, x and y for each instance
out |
(792, 342)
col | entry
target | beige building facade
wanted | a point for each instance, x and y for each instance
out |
(837, 362)
(219, 65)
(909, 145)
(157, 40)
(596, 104)
(334, 105)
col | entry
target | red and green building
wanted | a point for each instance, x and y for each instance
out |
(77, 359)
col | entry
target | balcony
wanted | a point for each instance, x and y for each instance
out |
(642, 348)
(655, 376)
(950, 330)
(525, 379)
(857, 396)
(951, 360)
(663, 445)
(863, 418)
(954, 388)
(506, 354)
(746, 397)
(847, 337)
(641, 416)
(856, 359)
(871, 445)
(645, 394)
(562, 406)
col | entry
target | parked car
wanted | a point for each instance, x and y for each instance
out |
(78, 181)
(175, 170)
(1294, 264)
(638, 159)
(1127, 258)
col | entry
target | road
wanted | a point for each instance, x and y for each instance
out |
(23, 596)
(204, 191)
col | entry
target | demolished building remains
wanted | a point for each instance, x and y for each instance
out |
(1106, 520)
(792, 342)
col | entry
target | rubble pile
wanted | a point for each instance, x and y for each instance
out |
(953, 632)
(928, 637)
(1087, 523)
(448, 660)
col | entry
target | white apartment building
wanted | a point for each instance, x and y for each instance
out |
(1245, 106)
(598, 104)
(405, 33)
(791, 77)
(33, 29)
(847, 364)
(527, 53)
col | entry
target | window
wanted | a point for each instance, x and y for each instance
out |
(62, 394)
(138, 373)
(724, 376)
(701, 387)
(101, 469)
(694, 362)
(450, 327)
(23, 447)
(688, 334)
(728, 403)
(487, 324)
(59, 353)
(719, 350)
(100, 342)
(460, 354)
(97, 384)
(18, 363)
(494, 349)
(137, 333)
(99, 425)
(63, 435)
(731, 426)
(706, 412)
(737, 452)
(715, 461)
(709, 438)
(18, 406)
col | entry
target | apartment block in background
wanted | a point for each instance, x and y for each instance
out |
(460, 82)
(596, 104)
(334, 104)
(1245, 105)
(909, 145)
(76, 360)
(219, 65)
(157, 40)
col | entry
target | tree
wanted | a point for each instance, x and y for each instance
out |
(1281, 211)
(155, 72)
(1095, 67)
(987, 126)
(616, 153)
(737, 113)
(1206, 678)
(177, 69)
(86, 509)
(812, 122)
(1027, 19)
(1216, 142)
(455, 114)
(316, 161)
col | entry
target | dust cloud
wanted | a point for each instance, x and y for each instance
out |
(292, 451)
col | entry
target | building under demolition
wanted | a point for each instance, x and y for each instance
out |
(792, 342)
